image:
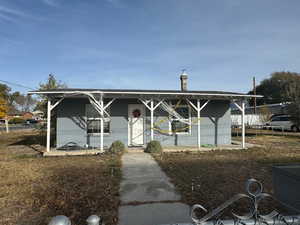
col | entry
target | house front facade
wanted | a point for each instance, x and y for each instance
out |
(129, 121)
(94, 118)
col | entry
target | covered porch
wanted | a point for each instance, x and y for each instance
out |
(152, 101)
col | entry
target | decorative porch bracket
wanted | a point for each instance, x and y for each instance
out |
(198, 109)
(152, 106)
(101, 109)
(98, 105)
(242, 109)
(169, 109)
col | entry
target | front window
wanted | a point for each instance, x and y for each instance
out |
(181, 125)
(94, 121)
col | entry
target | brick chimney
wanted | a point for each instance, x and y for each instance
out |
(183, 79)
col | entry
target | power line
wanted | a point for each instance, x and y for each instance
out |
(15, 84)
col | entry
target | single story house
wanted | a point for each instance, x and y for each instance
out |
(94, 118)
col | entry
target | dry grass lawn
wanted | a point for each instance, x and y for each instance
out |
(33, 189)
(218, 175)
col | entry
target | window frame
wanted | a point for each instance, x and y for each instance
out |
(105, 120)
(189, 121)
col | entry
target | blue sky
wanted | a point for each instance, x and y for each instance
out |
(144, 44)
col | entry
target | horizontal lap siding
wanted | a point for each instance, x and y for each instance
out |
(218, 134)
(71, 122)
(71, 125)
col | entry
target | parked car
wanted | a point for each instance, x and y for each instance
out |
(281, 122)
(31, 121)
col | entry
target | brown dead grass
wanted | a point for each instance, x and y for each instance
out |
(33, 189)
(218, 175)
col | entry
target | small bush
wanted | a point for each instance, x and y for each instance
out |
(16, 121)
(153, 147)
(116, 147)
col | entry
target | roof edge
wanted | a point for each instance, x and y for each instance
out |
(154, 92)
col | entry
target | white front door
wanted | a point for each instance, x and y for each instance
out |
(136, 114)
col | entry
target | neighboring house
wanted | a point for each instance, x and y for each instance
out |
(14, 115)
(94, 118)
(261, 116)
(24, 116)
(274, 109)
(27, 115)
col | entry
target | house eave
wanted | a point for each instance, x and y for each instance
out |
(138, 94)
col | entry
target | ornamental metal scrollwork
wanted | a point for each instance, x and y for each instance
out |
(254, 194)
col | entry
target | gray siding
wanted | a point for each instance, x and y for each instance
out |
(71, 125)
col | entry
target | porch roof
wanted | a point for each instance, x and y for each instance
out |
(138, 93)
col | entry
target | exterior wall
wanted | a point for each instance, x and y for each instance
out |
(71, 125)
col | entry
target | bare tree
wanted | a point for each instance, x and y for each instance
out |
(264, 114)
(25, 103)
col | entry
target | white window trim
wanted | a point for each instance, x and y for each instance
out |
(189, 119)
(96, 118)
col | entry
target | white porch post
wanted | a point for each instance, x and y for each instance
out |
(151, 118)
(198, 118)
(152, 107)
(48, 124)
(6, 124)
(242, 109)
(101, 123)
(243, 124)
(198, 108)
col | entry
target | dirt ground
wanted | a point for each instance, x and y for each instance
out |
(33, 188)
(211, 178)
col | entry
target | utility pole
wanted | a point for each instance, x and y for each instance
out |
(254, 92)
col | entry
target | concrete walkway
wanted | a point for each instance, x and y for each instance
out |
(147, 196)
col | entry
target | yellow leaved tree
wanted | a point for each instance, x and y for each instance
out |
(4, 111)
(3, 108)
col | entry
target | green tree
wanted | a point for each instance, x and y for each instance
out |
(276, 88)
(4, 91)
(51, 84)
(293, 95)
(281, 87)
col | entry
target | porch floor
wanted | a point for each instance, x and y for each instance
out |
(234, 146)
(55, 152)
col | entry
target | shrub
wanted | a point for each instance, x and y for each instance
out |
(117, 147)
(153, 147)
(16, 121)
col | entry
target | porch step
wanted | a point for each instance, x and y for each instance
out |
(135, 149)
